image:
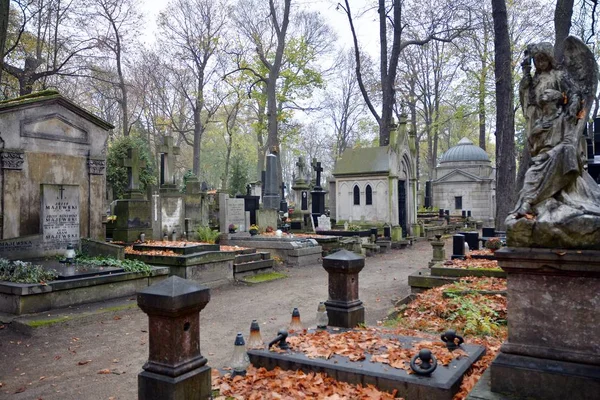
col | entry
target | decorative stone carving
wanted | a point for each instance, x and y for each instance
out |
(12, 159)
(96, 166)
(559, 205)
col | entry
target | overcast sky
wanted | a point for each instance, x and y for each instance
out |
(337, 19)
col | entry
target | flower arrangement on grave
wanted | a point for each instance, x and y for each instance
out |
(232, 228)
(493, 243)
(354, 228)
(269, 229)
(253, 229)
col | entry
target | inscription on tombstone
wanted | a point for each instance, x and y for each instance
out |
(60, 215)
(324, 222)
(236, 213)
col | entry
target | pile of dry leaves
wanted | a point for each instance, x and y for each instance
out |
(357, 343)
(425, 317)
(260, 384)
(472, 263)
(168, 253)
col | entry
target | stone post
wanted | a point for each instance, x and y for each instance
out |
(458, 247)
(176, 370)
(439, 253)
(552, 350)
(271, 193)
(344, 308)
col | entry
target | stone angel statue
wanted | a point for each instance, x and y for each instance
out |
(559, 205)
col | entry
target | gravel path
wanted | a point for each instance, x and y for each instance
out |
(47, 364)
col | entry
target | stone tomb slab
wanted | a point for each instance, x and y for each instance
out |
(190, 248)
(443, 383)
(77, 271)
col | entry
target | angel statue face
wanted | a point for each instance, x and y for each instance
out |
(543, 56)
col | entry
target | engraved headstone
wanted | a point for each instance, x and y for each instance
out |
(324, 222)
(60, 215)
(236, 213)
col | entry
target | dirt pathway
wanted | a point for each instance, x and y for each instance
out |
(47, 364)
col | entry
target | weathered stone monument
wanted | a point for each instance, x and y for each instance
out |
(301, 190)
(133, 212)
(271, 194)
(53, 177)
(318, 195)
(171, 200)
(553, 237)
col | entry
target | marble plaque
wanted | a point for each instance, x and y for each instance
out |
(60, 215)
(236, 213)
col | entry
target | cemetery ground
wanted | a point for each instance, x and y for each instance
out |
(99, 352)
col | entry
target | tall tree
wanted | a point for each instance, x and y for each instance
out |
(46, 42)
(563, 14)
(115, 24)
(445, 27)
(191, 30)
(505, 118)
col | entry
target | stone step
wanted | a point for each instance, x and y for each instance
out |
(253, 266)
(244, 258)
(256, 256)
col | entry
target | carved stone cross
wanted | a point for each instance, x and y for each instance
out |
(168, 153)
(134, 165)
(318, 169)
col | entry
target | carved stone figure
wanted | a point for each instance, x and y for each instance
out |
(559, 205)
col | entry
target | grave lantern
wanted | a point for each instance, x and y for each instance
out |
(70, 253)
(322, 319)
(295, 324)
(239, 360)
(255, 340)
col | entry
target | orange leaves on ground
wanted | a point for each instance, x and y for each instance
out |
(472, 263)
(104, 371)
(83, 362)
(357, 343)
(260, 384)
(482, 252)
(168, 253)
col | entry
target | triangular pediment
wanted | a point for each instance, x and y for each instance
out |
(53, 127)
(458, 176)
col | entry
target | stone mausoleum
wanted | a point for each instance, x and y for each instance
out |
(52, 175)
(465, 179)
(378, 184)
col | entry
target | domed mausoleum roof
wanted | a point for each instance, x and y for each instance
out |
(465, 150)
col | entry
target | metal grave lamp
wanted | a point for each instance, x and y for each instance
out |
(295, 324)
(255, 340)
(239, 360)
(70, 254)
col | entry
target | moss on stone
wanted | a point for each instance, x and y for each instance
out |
(30, 98)
(266, 277)
(39, 323)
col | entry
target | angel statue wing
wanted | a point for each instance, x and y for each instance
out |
(580, 64)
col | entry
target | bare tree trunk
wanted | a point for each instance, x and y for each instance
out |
(562, 25)
(274, 69)
(482, 113)
(505, 119)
